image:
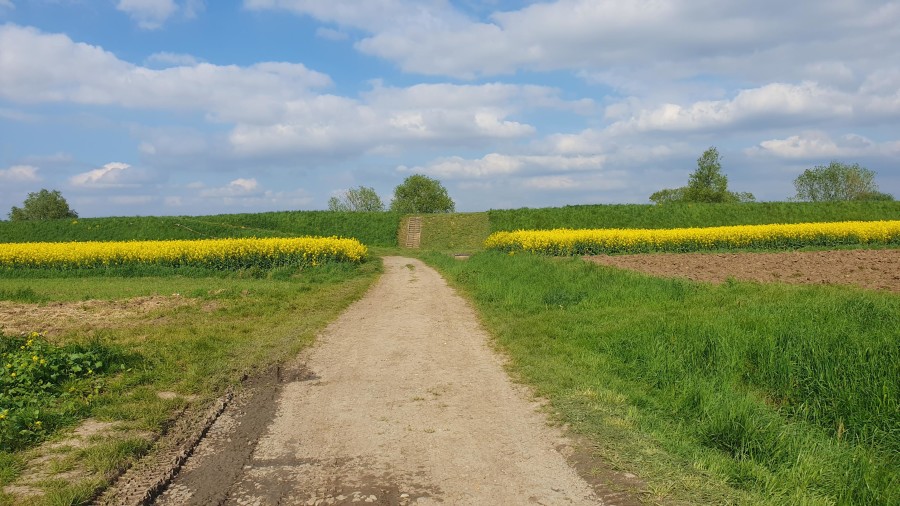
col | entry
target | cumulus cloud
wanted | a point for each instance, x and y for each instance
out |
(331, 34)
(499, 165)
(20, 174)
(773, 102)
(241, 187)
(818, 145)
(275, 108)
(434, 38)
(85, 74)
(246, 193)
(149, 14)
(112, 175)
(153, 14)
(166, 59)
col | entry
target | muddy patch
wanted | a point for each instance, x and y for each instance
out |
(55, 318)
(869, 269)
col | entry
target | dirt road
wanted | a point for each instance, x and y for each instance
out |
(401, 401)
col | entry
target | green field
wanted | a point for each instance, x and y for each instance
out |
(372, 229)
(738, 393)
(690, 215)
(741, 393)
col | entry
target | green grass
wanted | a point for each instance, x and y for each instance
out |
(376, 229)
(743, 393)
(689, 215)
(455, 232)
(234, 324)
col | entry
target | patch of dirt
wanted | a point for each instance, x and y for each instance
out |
(870, 269)
(55, 318)
(55, 460)
(401, 401)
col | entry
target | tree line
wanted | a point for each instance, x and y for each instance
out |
(420, 194)
(822, 183)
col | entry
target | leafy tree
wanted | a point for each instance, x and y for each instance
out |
(838, 181)
(706, 184)
(421, 194)
(363, 198)
(668, 195)
(42, 205)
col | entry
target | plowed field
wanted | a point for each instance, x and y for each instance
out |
(870, 269)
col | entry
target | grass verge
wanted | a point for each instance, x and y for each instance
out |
(713, 394)
(206, 331)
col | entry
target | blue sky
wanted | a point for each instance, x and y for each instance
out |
(171, 107)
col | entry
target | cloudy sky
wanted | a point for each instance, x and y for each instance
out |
(136, 107)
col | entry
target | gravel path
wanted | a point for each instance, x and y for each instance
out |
(401, 401)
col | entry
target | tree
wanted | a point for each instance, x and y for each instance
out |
(42, 205)
(421, 194)
(363, 198)
(838, 181)
(706, 184)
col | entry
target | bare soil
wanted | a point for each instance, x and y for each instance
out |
(870, 269)
(55, 318)
(401, 401)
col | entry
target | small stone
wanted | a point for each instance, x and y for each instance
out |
(371, 498)
(404, 496)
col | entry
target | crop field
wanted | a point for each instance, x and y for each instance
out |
(777, 236)
(781, 389)
(210, 253)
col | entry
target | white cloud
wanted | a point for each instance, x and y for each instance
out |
(85, 74)
(499, 165)
(20, 174)
(241, 187)
(331, 34)
(777, 101)
(149, 14)
(434, 38)
(111, 175)
(6, 4)
(166, 59)
(153, 14)
(818, 145)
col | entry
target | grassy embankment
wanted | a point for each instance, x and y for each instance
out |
(690, 215)
(372, 229)
(742, 393)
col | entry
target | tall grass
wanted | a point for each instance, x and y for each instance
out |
(785, 394)
(690, 215)
(376, 229)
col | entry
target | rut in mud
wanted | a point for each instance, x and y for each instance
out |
(401, 401)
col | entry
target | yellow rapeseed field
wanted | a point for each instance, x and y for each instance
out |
(211, 253)
(598, 241)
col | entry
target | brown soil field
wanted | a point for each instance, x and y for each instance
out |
(56, 318)
(869, 269)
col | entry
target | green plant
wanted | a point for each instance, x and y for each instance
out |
(42, 385)
(838, 181)
(706, 184)
(421, 194)
(363, 198)
(42, 205)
